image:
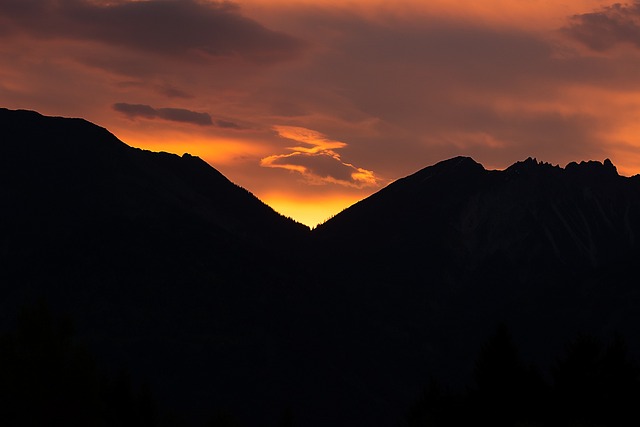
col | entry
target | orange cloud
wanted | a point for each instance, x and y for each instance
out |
(318, 162)
(219, 151)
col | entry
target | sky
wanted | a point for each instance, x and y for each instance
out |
(313, 105)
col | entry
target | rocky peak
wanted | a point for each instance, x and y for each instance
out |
(530, 166)
(592, 169)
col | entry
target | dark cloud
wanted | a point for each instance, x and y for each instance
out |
(175, 115)
(185, 116)
(603, 29)
(225, 124)
(171, 114)
(136, 110)
(176, 27)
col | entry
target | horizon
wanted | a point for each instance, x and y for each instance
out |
(313, 106)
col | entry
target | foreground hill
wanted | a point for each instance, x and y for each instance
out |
(218, 302)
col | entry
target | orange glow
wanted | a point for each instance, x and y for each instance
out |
(310, 211)
(215, 150)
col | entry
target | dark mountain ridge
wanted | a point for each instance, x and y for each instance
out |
(191, 281)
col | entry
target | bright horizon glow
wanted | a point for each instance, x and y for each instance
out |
(310, 212)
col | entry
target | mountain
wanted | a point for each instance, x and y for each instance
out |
(581, 215)
(159, 258)
(218, 302)
(74, 165)
(436, 260)
(76, 198)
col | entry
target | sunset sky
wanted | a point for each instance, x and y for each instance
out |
(314, 105)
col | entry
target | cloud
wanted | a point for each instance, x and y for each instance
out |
(603, 29)
(225, 124)
(200, 29)
(174, 115)
(170, 114)
(318, 162)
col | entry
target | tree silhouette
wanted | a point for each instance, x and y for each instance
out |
(223, 418)
(593, 385)
(48, 379)
(597, 385)
(506, 391)
(286, 419)
(439, 407)
(45, 378)
(126, 407)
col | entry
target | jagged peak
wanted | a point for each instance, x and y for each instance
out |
(530, 165)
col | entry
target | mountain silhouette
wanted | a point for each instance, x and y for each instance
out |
(583, 214)
(159, 258)
(78, 200)
(222, 304)
(463, 222)
(436, 260)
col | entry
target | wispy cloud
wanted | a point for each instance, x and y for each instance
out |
(318, 161)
